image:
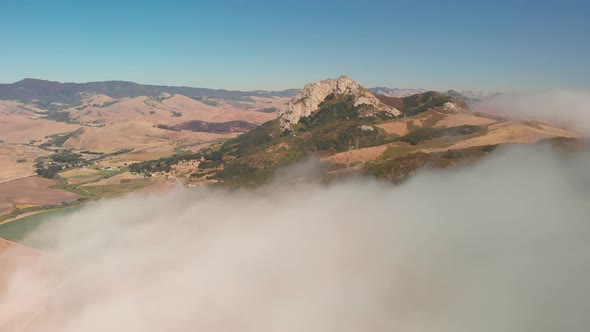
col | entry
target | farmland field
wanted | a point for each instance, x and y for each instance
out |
(31, 191)
(112, 190)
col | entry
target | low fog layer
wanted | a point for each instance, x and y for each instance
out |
(567, 107)
(503, 246)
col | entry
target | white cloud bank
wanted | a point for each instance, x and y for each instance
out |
(567, 107)
(503, 246)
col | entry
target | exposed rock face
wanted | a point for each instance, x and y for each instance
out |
(308, 99)
(452, 107)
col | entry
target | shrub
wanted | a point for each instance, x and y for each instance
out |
(165, 127)
(48, 172)
(162, 164)
(421, 134)
(426, 133)
(209, 164)
(419, 103)
(66, 156)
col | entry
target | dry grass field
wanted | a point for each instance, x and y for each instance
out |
(128, 123)
(358, 157)
(459, 119)
(398, 127)
(31, 191)
(510, 132)
(494, 132)
(16, 161)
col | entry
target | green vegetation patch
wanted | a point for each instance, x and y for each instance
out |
(58, 162)
(267, 110)
(422, 102)
(333, 108)
(165, 127)
(207, 101)
(108, 103)
(162, 164)
(399, 167)
(427, 133)
(61, 116)
(251, 158)
(112, 190)
(252, 141)
(66, 156)
(59, 139)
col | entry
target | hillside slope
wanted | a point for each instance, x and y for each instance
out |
(432, 129)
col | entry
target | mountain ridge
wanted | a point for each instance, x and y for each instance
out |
(49, 91)
(465, 95)
(433, 129)
(30, 89)
(338, 124)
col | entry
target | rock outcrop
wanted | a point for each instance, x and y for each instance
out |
(307, 101)
(452, 107)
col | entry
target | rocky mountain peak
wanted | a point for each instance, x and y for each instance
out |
(307, 101)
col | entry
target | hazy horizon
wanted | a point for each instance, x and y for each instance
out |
(490, 93)
(261, 45)
(205, 87)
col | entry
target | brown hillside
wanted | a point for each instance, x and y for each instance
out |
(391, 101)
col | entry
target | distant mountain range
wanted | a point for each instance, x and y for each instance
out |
(47, 92)
(396, 92)
(29, 90)
(465, 95)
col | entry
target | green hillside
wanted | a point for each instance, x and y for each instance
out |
(337, 126)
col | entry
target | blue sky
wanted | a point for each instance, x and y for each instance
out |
(481, 45)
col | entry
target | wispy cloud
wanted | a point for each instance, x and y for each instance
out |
(568, 107)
